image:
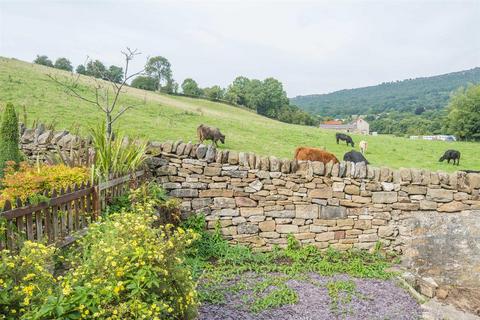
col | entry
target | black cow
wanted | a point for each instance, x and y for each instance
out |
(344, 137)
(355, 156)
(451, 155)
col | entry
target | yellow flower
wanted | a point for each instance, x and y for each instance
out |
(118, 288)
(28, 290)
(28, 277)
(120, 272)
(67, 290)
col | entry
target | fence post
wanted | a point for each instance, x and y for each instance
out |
(96, 201)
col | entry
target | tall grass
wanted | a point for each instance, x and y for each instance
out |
(115, 157)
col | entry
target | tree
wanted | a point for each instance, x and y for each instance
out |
(64, 64)
(215, 93)
(254, 94)
(105, 94)
(115, 74)
(190, 88)
(271, 98)
(238, 90)
(81, 69)
(96, 69)
(463, 118)
(159, 67)
(145, 83)
(43, 60)
(170, 87)
(9, 138)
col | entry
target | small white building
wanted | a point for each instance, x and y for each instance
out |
(440, 137)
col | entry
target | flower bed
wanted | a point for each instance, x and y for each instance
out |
(126, 267)
(29, 182)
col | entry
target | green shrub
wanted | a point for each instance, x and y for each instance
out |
(125, 267)
(30, 182)
(25, 279)
(127, 270)
(9, 138)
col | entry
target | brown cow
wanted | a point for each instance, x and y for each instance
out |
(314, 154)
(209, 133)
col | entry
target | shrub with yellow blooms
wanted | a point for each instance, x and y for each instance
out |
(25, 279)
(125, 267)
(30, 181)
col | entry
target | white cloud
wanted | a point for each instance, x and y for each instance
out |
(312, 47)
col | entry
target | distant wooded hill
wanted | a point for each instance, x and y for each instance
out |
(430, 93)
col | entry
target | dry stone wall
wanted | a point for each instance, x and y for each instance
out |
(39, 142)
(431, 218)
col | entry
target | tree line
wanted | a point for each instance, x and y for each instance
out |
(429, 93)
(94, 68)
(267, 97)
(461, 117)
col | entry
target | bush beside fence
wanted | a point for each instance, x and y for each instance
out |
(65, 214)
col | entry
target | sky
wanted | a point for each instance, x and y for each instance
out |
(311, 46)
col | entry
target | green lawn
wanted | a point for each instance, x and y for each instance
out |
(164, 117)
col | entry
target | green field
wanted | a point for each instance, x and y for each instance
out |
(163, 117)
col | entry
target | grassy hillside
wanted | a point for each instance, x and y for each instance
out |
(431, 93)
(164, 117)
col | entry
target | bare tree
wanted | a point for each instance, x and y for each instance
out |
(106, 92)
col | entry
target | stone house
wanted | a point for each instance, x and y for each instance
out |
(359, 126)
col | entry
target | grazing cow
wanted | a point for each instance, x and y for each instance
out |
(344, 137)
(451, 155)
(209, 133)
(363, 146)
(354, 156)
(314, 154)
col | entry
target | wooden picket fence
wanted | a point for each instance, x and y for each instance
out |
(64, 216)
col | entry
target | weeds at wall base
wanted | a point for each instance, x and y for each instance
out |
(261, 277)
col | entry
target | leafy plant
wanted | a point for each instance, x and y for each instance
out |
(25, 279)
(124, 268)
(115, 156)
(341, 293)
(292, 242)
(275, 298)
